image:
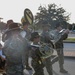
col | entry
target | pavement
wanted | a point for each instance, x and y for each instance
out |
(67, 53)
(69, 65)
(69, 62)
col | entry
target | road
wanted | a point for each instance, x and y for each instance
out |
(71, 35)
(69, 65)
(69, 46)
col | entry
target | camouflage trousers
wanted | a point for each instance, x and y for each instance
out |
(60, 57)
(14, 69)
(38, 68)
(48, 65)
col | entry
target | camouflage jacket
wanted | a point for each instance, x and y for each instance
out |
(35, 52)
(58, 38)
(46, 38)
(14, 50)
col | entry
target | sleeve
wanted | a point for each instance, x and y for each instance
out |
(64, 36)
(23, 34)
(25, 53)
(35, 53)
(51, 35)
(4, 37)
(1, 54)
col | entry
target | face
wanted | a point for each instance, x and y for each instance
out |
(37, 39)
(25, 26)
(46, 28)
(59, 28)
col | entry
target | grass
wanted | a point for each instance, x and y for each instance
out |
(71, 39)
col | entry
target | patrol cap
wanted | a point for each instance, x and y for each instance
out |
(58, 25)
(45, 24)
(9, 22)
(13, 26)
(34, 35)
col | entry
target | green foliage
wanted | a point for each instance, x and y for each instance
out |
(52, 14)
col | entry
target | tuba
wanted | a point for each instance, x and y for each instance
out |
(27, 17)
(46, 49)
(62, 31)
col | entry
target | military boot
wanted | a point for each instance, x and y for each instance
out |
(63, 71)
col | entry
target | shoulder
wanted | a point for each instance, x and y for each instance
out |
(34, 47)
(44, 33)
(23, 33)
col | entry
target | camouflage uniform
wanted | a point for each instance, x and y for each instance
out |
(46, 38)
(36, 61)
(14, 69)
(26, 34)
(15, 66)
(58, 41)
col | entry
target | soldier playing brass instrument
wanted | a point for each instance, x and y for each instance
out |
(27, 20)
(39, 53)
(36, 62)
(16, 46)
(59, 35)
(46, 39)
(26, 34)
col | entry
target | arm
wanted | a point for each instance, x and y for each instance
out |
(65, 34)
(2, 56)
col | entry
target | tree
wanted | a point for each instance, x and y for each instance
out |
(53, 14)
(73, 26)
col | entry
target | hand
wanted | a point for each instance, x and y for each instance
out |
(66, 31)
(43, 59)
(3, 59)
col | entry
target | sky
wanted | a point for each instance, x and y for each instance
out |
(13, 9)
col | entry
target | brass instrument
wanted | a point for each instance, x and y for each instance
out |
(28, 16)
(46, 50)
(62, 31)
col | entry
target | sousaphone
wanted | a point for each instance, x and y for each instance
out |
(28, 16)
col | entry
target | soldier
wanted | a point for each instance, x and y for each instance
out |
(4, 35)
(59, 35)
(27, 20)
(36, 62)
(14, 50)
(9, 22)
(26, 34)
(46, 38)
